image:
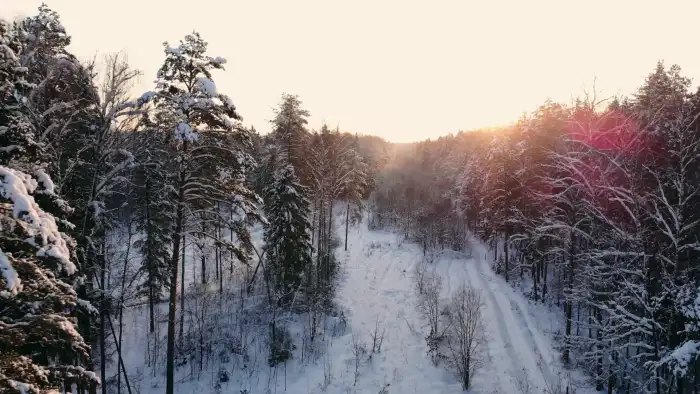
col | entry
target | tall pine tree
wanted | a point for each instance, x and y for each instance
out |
(209, 158)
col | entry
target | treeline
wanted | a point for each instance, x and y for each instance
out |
(593, 207)
(105, 199)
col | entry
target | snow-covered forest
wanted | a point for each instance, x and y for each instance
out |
(153, 242)
(591, 208)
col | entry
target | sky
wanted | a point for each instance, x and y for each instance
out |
(404, 70)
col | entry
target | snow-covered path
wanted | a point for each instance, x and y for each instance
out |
(377, 286)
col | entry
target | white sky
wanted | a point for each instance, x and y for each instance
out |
(401, 69)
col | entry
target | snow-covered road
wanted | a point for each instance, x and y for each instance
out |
(377, 286)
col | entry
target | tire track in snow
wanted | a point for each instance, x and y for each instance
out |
(544, 365)
(533, 347)
(518, 369)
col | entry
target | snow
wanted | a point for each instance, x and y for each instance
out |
(146, 97)
(184, 132)
(228, 122)
(174, 51)
(17, 187)
(87, 305)
(227, 101)
(378, 285)
(683, 355)
(143, 99)
(376, 289)
(23, 388)
(219, 60)
(12, 282)
(207, 86)
(44, 179)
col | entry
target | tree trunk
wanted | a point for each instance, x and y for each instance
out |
(103, 313)
(151, 307)
(182, 285)
(535, 275)
(599, 362)
(151, 273)
(313, 222)
(217, 250)
(505, 251)
(319, 267)
(567, 301)
(121, 306)
(172, 305)
(330, 224)
(495, 247)
(121, 322)
(544, 276)
(329, 237)
(347, 223)
(204, 267)
(231, 267)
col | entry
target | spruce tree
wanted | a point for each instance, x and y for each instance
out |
(290, 134)
(40, 346)
(287, 235)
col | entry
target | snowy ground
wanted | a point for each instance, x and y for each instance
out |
(376, 289)
(378, 285)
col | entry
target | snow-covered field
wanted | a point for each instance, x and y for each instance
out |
(377, 293)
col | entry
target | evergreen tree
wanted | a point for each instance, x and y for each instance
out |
(20, 148)
(290, 133)
(41, 347)
(355, 186)
(83, 145)
(154, 214)
(288, 234)
(210, 157)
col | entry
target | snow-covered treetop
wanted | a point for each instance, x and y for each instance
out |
(185, 83)
(43, 38)
(290, 116)
(285, 193)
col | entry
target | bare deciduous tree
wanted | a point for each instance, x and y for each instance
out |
(465, 334)
(419, 273)
(429, 302)
(358, 351)
(377, 337)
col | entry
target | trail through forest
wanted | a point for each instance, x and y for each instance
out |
(377, 290)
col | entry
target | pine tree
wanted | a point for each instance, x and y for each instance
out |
(41, 347)
(210, 157)
(287, 235)
(43, 44)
